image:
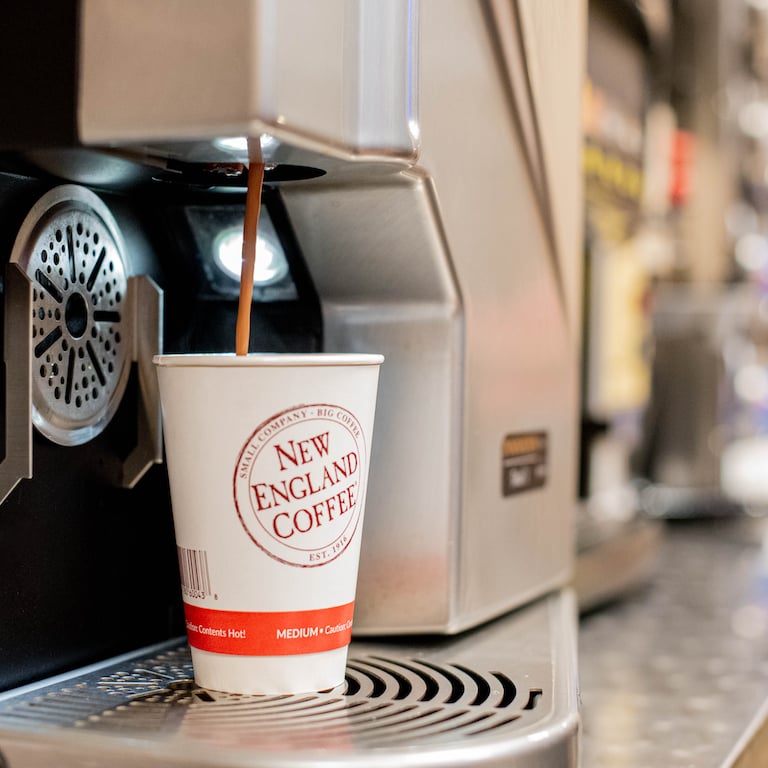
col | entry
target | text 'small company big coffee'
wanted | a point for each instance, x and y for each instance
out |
(268, 459)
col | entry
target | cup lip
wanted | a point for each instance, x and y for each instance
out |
(265, 359)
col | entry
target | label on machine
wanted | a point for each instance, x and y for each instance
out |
(523, 462)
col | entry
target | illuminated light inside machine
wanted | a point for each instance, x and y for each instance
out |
(270, 265)
(751, 252)
(240, 143)
(751, 383)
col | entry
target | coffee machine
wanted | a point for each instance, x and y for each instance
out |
(421, 200)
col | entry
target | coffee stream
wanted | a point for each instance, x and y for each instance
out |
(250, 230)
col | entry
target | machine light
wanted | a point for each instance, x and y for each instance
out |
(270, 266)
(240, 143)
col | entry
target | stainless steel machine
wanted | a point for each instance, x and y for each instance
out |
(422, 199)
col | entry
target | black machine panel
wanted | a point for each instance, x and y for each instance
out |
(88, 569)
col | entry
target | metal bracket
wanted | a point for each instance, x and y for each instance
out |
(147, 304)
(17, 367)
(146, 301)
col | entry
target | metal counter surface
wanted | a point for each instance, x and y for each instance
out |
(675, 674)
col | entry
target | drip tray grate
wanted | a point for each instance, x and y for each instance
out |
(506, 689)
(384, 700)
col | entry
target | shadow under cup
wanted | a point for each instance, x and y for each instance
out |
(268, 458)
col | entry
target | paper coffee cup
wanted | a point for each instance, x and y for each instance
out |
(268, 459)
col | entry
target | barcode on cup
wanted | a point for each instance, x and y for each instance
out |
(193, 570)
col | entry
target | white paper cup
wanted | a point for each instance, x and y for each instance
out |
(268, 459)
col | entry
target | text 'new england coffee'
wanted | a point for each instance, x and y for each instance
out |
(299, 484)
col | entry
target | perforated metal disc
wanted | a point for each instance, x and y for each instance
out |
(71, 250)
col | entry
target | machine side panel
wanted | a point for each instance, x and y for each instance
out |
(521, 362)
(385, 285)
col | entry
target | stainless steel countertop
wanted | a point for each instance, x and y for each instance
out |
(674, 674)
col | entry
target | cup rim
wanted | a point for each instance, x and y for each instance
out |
(265, 359)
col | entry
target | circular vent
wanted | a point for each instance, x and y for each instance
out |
(71, 250)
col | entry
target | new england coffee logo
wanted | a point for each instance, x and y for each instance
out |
(298, 484)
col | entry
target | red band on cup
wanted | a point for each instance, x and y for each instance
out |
(280, 633)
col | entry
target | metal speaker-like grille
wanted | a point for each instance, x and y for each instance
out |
(71, 250)
(387, 701)
(504, 694)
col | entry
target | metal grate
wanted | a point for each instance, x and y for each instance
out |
(71, 251)
(384, 700)
(490, 697)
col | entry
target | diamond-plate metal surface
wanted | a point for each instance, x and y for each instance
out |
(673, 675)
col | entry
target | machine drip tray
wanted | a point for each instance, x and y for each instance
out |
(502, 695)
